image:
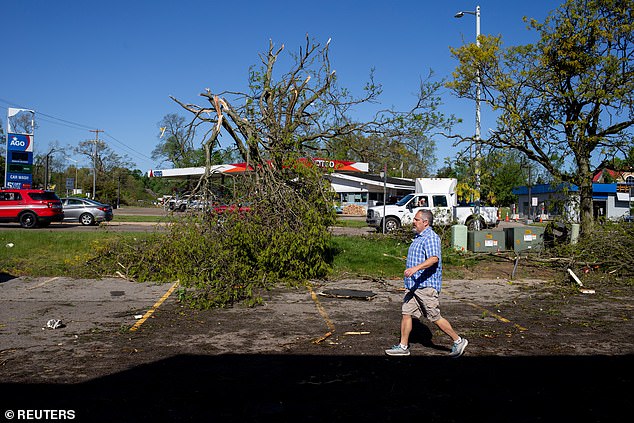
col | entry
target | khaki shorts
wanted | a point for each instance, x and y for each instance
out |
(422, 302)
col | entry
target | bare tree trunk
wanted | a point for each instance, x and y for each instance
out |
(585, 187)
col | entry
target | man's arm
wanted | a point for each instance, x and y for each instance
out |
(424, 265)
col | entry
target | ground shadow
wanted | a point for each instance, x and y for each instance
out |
(421, 334)
(344, 388)
(5, 277)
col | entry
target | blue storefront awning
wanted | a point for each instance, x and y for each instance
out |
(601, 189)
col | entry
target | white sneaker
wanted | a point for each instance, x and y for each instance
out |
(458, 348)
(397, 350)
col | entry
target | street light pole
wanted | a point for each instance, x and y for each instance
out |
(476, 140)
(48, 155)
(94, 161)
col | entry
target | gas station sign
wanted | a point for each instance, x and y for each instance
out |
(18, 171)
(20, 142)
(19, 165)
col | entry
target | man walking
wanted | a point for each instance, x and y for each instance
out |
(423, 281)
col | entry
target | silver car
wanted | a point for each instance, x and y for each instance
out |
(86, 211)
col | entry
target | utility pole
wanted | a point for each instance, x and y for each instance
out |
(94, 161)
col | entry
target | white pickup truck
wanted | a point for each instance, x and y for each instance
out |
(437, 195)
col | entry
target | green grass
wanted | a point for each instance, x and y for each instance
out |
(45, 252)
(351, 223)
(42, 252)
(137, 218)
(370, 256)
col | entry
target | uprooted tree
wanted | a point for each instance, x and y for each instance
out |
(566, 99)
(281, 232)
(281, 120)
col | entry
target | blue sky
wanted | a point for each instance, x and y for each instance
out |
(112, 65)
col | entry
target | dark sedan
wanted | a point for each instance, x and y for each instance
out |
(86, 211)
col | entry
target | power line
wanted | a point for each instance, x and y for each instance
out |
(55, 120)
(67, 123)
(80, 126)
(138, 154)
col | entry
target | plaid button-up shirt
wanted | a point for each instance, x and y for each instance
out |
(425, 245)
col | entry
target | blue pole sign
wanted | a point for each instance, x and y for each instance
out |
(19, 171)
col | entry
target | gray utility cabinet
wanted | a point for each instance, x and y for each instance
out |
(459, 237)
(525, 238)
(485, 241)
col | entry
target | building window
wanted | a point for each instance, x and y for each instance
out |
(354, 197)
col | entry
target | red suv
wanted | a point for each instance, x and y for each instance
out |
(30, 207)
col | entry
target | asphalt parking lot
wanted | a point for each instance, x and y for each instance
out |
(81, 305)
(311, 356)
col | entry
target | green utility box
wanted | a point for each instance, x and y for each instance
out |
(524, 238)
(485, 241)
(459, 237)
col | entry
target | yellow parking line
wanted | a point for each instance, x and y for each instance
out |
(154, 307)
(497, 316)
(323, 313)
